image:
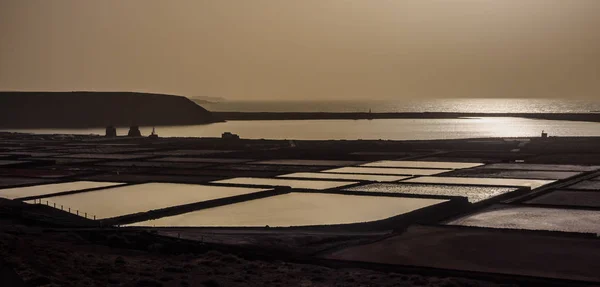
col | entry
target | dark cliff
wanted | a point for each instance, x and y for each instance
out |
(97, 109)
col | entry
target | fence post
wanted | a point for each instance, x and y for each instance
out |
(69, 210)
(77, 212)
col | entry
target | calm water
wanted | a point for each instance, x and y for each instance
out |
(297, 209)
(132, 199)
(346, 176)
(422, 164)
(392, 129)
(434, 105)
(293, 183)
(46, 189)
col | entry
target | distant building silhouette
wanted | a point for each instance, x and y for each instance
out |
(134, 131)
(111, 131)
(153, 135)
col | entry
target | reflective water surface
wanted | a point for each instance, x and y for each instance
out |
(46, 189)
(393, 129)
(365, 177)
(297, 209)
(131, 199)
(422, 164)
(384, 170)
(293, 183)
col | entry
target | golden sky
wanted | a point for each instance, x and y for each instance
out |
(304, 49)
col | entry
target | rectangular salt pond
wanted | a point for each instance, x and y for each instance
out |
(586, 185)
(534, 218)
(525, 174)
(555, 167)
(422, 164)
(533, 183)
(132, 199)
(388, 171)
(49, 189)
(293, 183)
(310, 162)
(346, 176)
(569, 198)
(18, 181)
(297, 209)
(473, 193)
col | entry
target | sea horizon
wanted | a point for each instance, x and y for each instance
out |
(450, 105)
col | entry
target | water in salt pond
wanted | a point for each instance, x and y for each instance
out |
(118, 201)
(298, 209)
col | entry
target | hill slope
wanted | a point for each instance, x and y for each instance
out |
(97, 109)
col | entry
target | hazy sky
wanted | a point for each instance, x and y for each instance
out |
(304, 49)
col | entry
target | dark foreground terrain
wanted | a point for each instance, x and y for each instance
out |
(45, 246)
(41, 256)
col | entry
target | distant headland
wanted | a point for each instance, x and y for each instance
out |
(97, 109)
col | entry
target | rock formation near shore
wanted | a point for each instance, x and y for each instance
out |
(97, 109)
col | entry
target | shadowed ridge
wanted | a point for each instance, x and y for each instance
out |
(97, 109)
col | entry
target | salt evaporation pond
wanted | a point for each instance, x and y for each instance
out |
(473, 193)
(297, 209)
(49, 189)
(293, 183)
(422, 164)
(586, 185)
(523, 174)
(388, 171)
(529, 166)
(534, 218)
(113, 202)
(569, 198)
(533, 183)
(346, 176)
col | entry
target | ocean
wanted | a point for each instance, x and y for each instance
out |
(384, 129)
(431, 105)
